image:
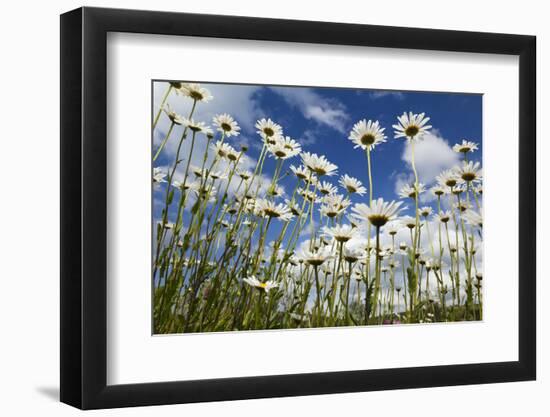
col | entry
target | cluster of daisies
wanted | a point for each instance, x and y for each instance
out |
(235, 250)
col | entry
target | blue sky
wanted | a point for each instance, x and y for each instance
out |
(320, 119)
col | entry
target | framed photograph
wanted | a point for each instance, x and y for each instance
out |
(258, 208)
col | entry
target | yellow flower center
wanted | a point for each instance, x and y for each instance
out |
(367, 139)
(412, 131)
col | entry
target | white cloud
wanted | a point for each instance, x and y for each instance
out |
(383, 93)
(237, 100)
(431, 155)
(313, 106)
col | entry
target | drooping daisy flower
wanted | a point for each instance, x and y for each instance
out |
(352, 185)
(410, 191)
(284, 148)
(268, 208)
(268, 129)
(195, 92)
(473, 218)
(173, 116)
(448, 178)
(403, 246)
(340, 233)
(316, 257)
(425, 211)
(226, 125)
(367, 134)
(318, 164)
(411, 126)
(326, 188)
(158, 175)
(470, 171)
(379, 213)
(444, 216)
(256, 283)
(196, 127)
(465, 147)
(479, 189)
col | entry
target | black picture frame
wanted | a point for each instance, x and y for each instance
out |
(84, 207)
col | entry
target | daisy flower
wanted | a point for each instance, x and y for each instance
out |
(352, 254)
(411, 126)
(465, 147)
(158, 175)
(244, 175)
(340, 233)
(223, 150)
(334, 204)
(217, 175)
(195, 92)
(448, 178)
(173, 116)
(276, 191)
(256, 283)
(196, 127)
(326, 188)
(438, 190)
(318, 164)
(392, 228)
(408, 221)
(309, 195)
(367, 134)
(378, 213)
(473, 218)
(410, 191)
(469, 171)
(198, 172)
(300, 172)
(295, 209)
(317, 257)
(268, 128)
(352, 185)
(284, 148)
(226, 125)
(425, 211)
(268, 208)
(462, 206)
(444, 216)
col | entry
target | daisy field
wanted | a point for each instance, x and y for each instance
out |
(281, 207)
